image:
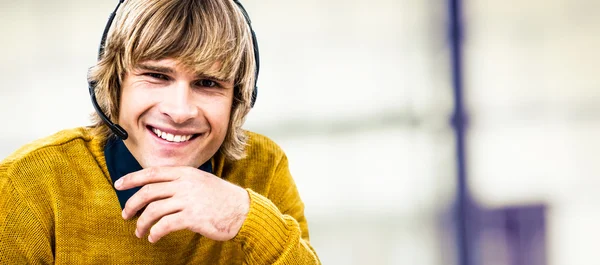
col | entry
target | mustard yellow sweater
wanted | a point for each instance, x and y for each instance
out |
(58, 205)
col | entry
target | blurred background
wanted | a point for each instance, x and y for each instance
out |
(360, 96)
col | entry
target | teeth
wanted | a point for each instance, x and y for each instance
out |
(170, 137)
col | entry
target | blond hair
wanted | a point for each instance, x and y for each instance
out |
(197, 33)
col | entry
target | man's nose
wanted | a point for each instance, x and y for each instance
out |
(178, 103)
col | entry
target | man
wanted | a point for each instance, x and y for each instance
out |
(178, 180)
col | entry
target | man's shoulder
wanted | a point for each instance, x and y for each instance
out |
(43, 148)
(262, 156)
(262, 147)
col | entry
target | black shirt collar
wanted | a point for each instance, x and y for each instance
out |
(121, 162)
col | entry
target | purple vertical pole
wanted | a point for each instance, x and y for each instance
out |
(463, 206)
(523, 226)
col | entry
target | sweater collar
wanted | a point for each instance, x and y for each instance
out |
(120, 162)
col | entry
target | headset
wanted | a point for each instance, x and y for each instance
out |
(117, 129)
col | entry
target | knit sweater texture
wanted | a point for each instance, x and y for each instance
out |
(58, 205)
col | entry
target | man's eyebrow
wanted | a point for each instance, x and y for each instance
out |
(168, 70)
(155, 68)
(211, 77)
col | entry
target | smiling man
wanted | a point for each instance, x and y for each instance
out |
(177, 180)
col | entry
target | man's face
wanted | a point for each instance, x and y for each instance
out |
(174, 117)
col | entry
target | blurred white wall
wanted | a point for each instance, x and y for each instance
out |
(534, 93)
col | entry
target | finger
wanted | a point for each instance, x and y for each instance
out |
(146, 176)
(147, 194)
(166, 224)
(153, 213)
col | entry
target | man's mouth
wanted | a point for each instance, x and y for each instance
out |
(172, 137)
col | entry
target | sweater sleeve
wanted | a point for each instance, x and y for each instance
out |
(23, 239)
(275, 230)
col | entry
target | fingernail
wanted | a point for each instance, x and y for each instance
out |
(118, 183)
(137, 234)
(150, 239)
(123, 214)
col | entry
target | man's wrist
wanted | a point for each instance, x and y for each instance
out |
(241, 212)
(264, 226)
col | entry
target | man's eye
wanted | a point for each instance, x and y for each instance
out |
(157, 76)
(206, 83)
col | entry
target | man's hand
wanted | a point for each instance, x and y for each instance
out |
(179, 198)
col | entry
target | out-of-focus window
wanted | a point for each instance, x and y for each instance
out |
(533, 88)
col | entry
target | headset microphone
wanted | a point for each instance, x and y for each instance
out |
(117, 129)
